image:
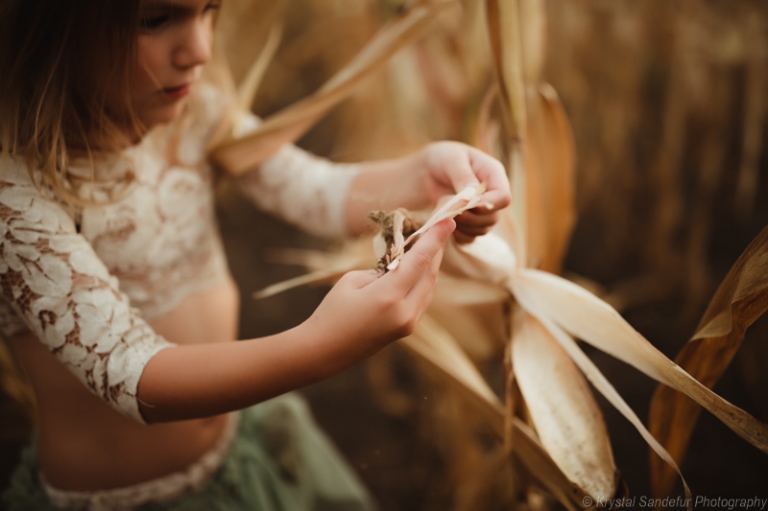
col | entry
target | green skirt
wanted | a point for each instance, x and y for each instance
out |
(278, 461)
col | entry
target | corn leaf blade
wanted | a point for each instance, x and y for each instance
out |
(741, 298)
(588, 318)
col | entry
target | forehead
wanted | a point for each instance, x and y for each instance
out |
(180, 5)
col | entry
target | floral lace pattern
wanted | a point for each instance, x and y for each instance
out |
(66, 296)
(87, 290)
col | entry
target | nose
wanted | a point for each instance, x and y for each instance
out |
(194, 46)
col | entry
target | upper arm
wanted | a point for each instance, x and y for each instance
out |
(65, 295)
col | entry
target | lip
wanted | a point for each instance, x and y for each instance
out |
(177, 92)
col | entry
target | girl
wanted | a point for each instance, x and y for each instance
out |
(116, 298)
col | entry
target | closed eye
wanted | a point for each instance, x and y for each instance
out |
(154, 22)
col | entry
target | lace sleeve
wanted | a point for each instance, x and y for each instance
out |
(61, 289)
(302, 189)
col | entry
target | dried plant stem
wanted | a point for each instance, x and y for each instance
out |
(246, 91)
(509, 400)
(505, 32)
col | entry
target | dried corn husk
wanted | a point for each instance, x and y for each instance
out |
(567, 419)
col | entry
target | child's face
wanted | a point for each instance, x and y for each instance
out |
(174, 43)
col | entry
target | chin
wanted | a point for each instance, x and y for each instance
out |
(164, 115)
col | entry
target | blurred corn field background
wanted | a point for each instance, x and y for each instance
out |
(667, 102)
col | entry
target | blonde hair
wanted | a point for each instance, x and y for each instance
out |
(51, 108)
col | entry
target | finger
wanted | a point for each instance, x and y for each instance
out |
(359, 279)
(473, 230)
(418, 259)
(420, 295)
(458, 169)
(463, 239)
(491, 172)
(478, 217)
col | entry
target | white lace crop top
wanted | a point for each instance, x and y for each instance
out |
(87, 284)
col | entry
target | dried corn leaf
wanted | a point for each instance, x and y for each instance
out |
(431, 340)
(467, 292)
(587, 317)
(324, 266)
(503, 20)
(533, 38)
(557, 303)
(550, 179)
(603, 386)
(469, 303)
(242, 29)
(505, 32)
(468, 198)
(540, 465)
(434, 346)
(246, 91)
(564, 412)
(487, 259)
(289, 124)
(316, 277)
(480, 329)
(592, 467)
(741, 298)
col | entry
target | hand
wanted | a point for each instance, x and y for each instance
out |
(450, 167)
(366, 310)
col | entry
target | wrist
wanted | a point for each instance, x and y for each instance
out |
(323, 350)
(419, 180)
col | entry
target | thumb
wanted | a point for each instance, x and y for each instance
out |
(421, 257)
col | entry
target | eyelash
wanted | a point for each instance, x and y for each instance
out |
(150, 24)
(156, 22)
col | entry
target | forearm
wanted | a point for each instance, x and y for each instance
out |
(192, 381)
(361, 314)
(386, 185)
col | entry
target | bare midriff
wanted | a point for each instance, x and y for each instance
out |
(85, 445)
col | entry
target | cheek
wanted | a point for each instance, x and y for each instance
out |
(151, 66)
